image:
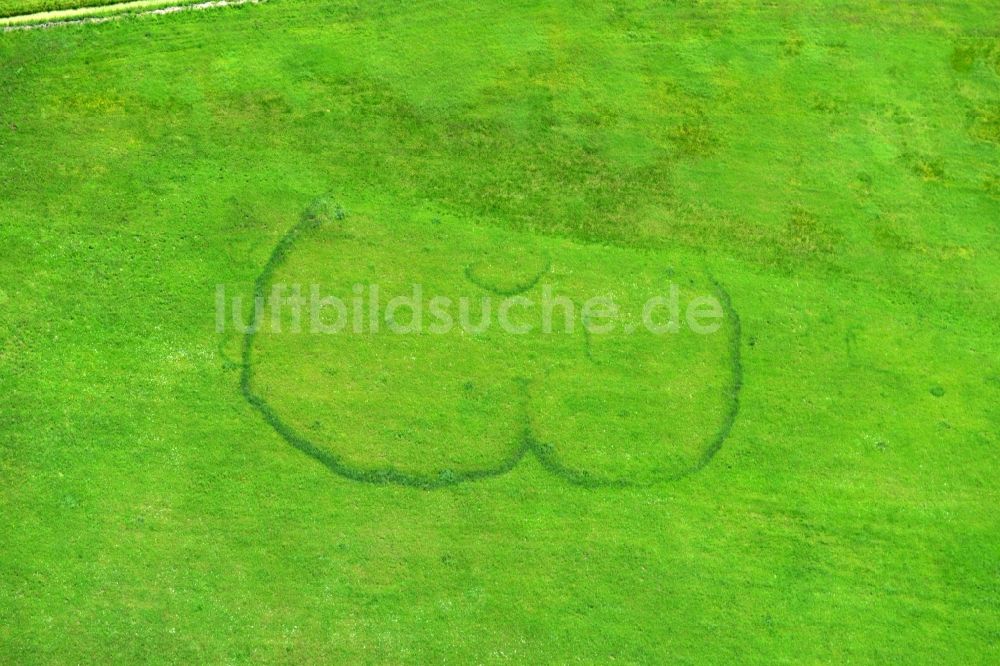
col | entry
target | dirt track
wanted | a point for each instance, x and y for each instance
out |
(110, 12)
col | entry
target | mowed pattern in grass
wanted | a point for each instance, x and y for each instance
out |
(459, 392)
(834, 166)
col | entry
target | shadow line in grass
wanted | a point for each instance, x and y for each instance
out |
(514, 290)
(311, 219)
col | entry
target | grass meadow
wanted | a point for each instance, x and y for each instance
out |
(817, 482)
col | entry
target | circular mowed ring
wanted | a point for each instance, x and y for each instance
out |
(360, 382)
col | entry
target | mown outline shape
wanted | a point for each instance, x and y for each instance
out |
(545, 453)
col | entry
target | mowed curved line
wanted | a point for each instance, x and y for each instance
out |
(514, 290)
(549, 458)
(545, 454)
(311, 219)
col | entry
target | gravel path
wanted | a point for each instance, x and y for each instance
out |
(111, 12)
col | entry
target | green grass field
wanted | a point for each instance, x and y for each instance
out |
(815, 482)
